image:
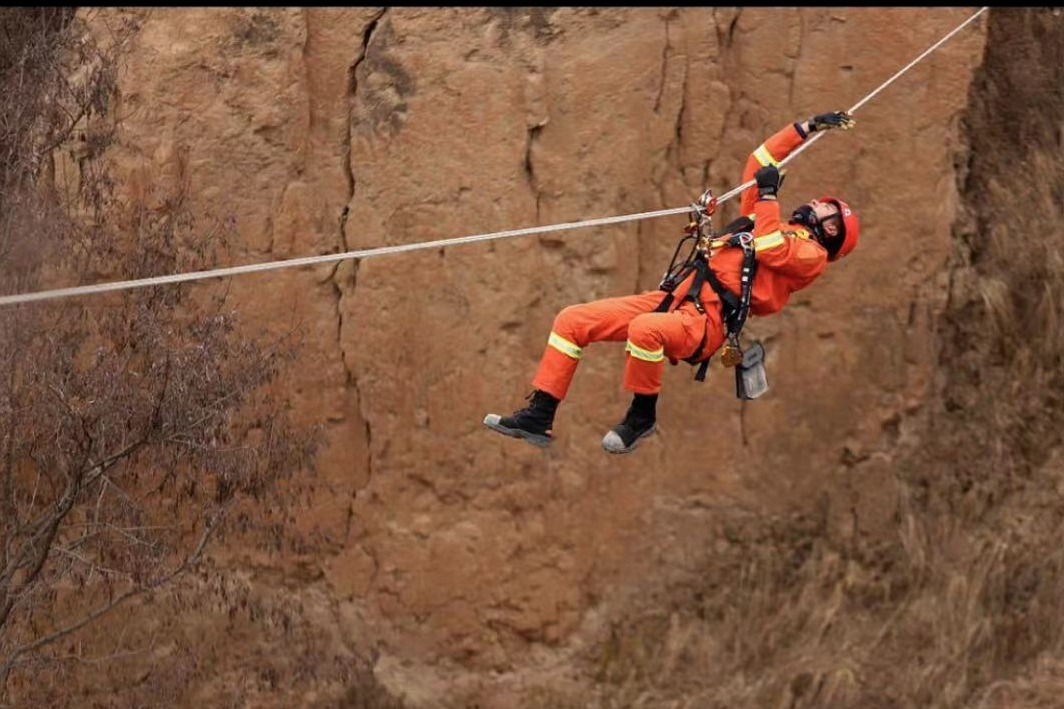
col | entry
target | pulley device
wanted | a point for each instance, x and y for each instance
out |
(750, 380)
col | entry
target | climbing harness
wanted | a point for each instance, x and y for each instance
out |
(438, 243)
(734, 309)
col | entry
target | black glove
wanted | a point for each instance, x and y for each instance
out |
(768, 181)
(827, 121)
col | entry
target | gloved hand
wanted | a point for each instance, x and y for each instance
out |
(768, 181)
(827, 121)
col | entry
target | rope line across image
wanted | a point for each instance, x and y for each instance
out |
(438, 243)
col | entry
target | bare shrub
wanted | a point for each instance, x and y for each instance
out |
(132, 426)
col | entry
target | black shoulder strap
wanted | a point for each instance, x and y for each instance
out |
(738, 225)
(746, 280)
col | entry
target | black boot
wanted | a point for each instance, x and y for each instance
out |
(532, 423)
(638, 423)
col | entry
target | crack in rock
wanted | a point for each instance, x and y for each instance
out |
(349, 173)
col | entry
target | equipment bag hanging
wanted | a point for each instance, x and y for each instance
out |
(750, 379)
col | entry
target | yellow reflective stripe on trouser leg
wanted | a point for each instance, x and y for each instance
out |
(564, 346)
(646, 355)
(764, 156)
(768, 241)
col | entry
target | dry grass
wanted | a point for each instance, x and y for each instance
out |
(963, 607)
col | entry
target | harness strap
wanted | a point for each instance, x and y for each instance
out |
(702, 274)
(700, 375)
(664, 305)
(727, 298)
(734, 310)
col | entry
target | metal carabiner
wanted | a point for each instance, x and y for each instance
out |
(745, 239)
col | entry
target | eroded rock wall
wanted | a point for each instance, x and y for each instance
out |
(457, 559)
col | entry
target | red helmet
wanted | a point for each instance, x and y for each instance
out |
(850, 229)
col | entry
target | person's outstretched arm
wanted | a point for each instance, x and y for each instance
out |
(776, 149)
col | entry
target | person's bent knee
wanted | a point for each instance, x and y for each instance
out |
(567, 318)
(566, 335)
(571, 323)
(642, 332)
(644, 341)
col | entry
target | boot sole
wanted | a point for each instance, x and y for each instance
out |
(612, 443)
(537, 439)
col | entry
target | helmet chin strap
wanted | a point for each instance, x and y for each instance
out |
(806, 216)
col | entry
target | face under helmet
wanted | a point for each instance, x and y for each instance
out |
(841, 244)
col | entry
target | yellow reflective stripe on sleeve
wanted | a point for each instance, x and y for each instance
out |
(647, 356)
(764, 157)
(564, 346)
(768, 241)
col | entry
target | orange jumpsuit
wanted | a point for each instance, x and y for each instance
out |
(788, 260)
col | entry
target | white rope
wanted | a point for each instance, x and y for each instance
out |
(882, 86)
(402, 248)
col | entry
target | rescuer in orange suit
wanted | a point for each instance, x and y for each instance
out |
(789, 257)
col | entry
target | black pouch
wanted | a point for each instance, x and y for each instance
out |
(750, 379)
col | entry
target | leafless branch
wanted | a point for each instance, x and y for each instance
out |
(137, 590)
(123, 421)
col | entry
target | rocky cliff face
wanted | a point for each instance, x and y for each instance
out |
(472, 571)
